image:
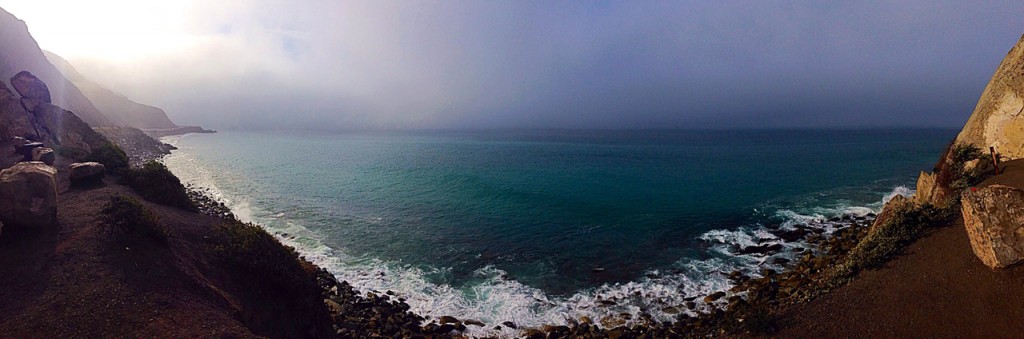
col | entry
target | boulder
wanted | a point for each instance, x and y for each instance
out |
(29, 86)
(87, 172)
(18, 142)
(890, 209)
(994, 218)
(44, 154)
(27, 149)
(928, 193)
(28, 195)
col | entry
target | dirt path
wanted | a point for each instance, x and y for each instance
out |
(938, 288)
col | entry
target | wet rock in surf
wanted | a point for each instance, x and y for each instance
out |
(759, 250)
(790, 235)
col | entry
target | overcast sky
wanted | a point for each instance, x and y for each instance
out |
(536, 64)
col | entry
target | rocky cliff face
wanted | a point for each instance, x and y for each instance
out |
(31, 117)
(997, 119)
(20, 52)
(114, 105)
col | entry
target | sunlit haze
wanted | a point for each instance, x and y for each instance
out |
(411, 65)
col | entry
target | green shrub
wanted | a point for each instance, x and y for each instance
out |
(891, 236)
(259, 255)
(127, 216)
(156, 183)
(111, 156)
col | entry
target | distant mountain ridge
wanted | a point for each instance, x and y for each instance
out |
(114, 105)
(20, 52)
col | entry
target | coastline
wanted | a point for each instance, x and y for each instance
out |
(691, 319)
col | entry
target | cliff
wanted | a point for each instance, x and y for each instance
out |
(44, 122)
(996, 121)
(114, 105)
(20, 52)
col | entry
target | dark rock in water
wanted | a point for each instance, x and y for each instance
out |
(448, 320)
(714, 296)
(781, 261)
(87, 172)
(760, 250)
(790, 235)
(534, 333)
(598, 269)
(872, 215)
(473, 322)
(29, 86)
(510, 324)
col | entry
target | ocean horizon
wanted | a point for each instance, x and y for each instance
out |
(541, 226)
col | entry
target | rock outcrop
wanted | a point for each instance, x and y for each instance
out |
(897, 203)
(30, 87)
(994, 218)
(998, 119)
(33, 118)
(87, 172)
(928, 191)
(28, 195)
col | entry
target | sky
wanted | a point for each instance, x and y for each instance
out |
(383, 65)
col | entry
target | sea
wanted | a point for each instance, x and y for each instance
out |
(547, 226)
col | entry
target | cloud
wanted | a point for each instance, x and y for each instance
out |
(529, 64)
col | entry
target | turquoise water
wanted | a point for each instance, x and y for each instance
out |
(511, 225)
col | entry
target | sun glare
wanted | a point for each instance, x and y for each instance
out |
(115, 30)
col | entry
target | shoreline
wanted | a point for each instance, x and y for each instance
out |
(848, 229)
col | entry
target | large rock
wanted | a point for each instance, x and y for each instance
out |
(997, 119)
(28, 195)
(994, 218)
(25, 150)
(929, 192)
(29, 86)
(87, 172)
(896, 204)
(45, 155)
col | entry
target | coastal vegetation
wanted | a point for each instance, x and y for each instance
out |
(125, 215)
(110, 155)
(154, 182)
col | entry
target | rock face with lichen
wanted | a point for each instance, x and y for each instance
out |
(994, 218)
(998, 119)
